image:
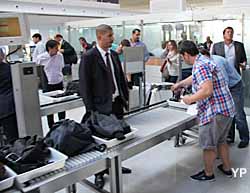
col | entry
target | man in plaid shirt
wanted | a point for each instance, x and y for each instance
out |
(215, 109)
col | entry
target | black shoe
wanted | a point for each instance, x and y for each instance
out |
(243, 144)
(99, 181)
(230, 141)
(228, 173)
(201, 176)
(126, 170)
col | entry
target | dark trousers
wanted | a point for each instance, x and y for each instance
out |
(67, 69)
(9, 125)
(186, 73)
(117, 108)
(172, 79)
(135, 78)
(61, 115)
(240, 115)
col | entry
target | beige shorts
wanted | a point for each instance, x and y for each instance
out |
(215, 132)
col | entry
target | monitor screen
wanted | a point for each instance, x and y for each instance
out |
(14, 29)
(10, 27)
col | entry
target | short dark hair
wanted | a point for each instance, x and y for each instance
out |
(37, 35)
(103, 28)
(204, 51)
(224, 31)
(125, 42)
(188, 47)
(51, 44)
(83, 39)
(58, 36)
(136, 30)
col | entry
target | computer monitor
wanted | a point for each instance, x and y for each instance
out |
(14, 29)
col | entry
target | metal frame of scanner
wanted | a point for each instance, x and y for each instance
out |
(25, 88)
(134, 63)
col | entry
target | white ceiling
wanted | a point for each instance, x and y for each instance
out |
(87, 8)
(35, 20)
(80, 3)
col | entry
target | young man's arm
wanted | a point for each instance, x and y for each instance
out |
(183, 83)
(206, 90)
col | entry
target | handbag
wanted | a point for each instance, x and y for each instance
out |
(164, 70)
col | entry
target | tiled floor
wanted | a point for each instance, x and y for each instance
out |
(167, 169)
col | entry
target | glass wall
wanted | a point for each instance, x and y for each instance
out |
(153, 37)
(155, 33)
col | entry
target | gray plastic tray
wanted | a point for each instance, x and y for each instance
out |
(114, 142)
(9, 181)
(58, 161)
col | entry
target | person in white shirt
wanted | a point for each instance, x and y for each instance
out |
(171, 62)
(40, 48)
(53, 63)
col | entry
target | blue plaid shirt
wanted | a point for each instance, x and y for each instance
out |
(221, 101)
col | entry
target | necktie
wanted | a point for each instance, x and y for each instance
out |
(110, 71)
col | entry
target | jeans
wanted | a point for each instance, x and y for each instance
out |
(240, 115)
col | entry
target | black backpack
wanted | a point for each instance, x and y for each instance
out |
(72, 138)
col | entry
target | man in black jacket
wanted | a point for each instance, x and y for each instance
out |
(103, 86)
(234, 53)
(68, 52)
(7, 105)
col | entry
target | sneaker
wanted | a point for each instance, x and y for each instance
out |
(228, 173)
(201, 176)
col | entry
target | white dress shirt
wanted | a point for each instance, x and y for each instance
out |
(103, 52)
(53, 66)
(39, 49)
(230, 54)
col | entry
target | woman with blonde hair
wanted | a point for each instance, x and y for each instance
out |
(170, 67)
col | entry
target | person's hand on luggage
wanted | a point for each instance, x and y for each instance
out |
(187, 99)
(175, 86)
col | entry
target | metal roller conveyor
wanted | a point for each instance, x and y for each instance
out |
(154, 126)
(79, 162)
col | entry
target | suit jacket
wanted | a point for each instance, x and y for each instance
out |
(7, 104)
(68, 51)
(240, 54)
(96, 82)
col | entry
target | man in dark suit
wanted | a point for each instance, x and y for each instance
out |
(103, 85)
(67, 51)
(7, 105)
(208, 43)
(235, 54)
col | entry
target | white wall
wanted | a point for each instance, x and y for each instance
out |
(235, 2)
(164, 6)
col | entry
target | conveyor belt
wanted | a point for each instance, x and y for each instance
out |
(61, 106)
(77, 162)
(154, 127)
